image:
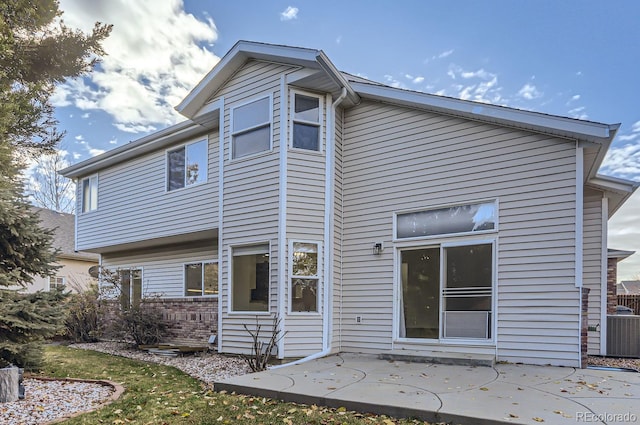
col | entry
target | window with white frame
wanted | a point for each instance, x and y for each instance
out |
(457, 219)
(305, 279)
(57, 282)
(250, 278)
(90, 194)
(187, 165)
(306, 121)
(130, 287)
(251, 128)
(200, 279)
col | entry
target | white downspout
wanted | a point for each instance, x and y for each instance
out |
(328, 238)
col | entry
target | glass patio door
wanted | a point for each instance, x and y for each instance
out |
(446, 292)
(420, 294)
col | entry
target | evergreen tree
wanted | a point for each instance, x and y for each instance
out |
(37, 51)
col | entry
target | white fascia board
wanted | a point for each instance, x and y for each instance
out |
(158, 140)
(233, 60)
(535, 121)
(615, 184)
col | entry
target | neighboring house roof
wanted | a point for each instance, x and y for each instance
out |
(315, 71)
(63, 225)
(628, 287)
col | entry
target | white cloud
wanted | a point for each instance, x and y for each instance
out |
(77, 155)
(578, 113)
(623, 161)
(289, 14)
(417, 80)
(624, 234)
(155, 55)
(339, 39)
(394, 83)
(529, 92)
(79, 137)
(96, 152)
(113, 141)
(85, 115)
(445, 54)
(636, 127)
(574, 98)
(481, 85)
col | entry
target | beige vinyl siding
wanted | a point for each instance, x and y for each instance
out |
(134, 205)
(399, 159)
(338, 227)
(305, 222)
(251, 198)
(163, 267)
(592, 272)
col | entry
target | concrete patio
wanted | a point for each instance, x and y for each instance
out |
(458, 394)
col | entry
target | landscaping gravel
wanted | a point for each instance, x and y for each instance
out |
(46, 401)
(207, 367)
(50, 400)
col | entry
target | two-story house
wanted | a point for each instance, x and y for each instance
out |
(367, 218)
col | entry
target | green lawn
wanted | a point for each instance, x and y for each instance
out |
(158, 395)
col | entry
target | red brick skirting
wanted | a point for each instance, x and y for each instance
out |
(189, 320)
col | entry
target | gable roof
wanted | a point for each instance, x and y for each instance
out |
(317, 72)
(63, 225)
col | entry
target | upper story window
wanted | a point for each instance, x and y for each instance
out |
(187, 165)
(200, 279)
(90, 194)
(306, 122)
(457, 219)
(251, 128)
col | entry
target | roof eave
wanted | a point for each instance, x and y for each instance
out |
(245, 50)
(517, 118)
(615, 189)
(165, 137)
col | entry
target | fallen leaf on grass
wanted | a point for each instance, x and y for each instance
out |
(538, 419)
(484, 389)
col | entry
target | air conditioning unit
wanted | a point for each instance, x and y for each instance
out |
(623, 336)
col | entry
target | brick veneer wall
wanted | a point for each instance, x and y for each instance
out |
(584, 328)
(188, 320)
(612, 278)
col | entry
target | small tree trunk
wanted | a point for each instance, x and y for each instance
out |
(9, 378)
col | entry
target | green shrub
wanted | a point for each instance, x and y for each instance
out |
(84, 312)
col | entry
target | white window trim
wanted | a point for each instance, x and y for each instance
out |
(142, 286)
(184, 279)
(319, 277)
(166, 164)
(82, 211)
(230, 310)
(320, 123)
(64, 281)
(443, 243)
(245, 130)
(447, 235)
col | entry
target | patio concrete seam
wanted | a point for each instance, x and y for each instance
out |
(293, 381)
(570, 399)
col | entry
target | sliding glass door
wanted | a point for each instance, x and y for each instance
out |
(446, 292)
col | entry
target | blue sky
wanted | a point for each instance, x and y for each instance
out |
(576, 59)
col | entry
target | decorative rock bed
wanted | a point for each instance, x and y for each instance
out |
(49, 401)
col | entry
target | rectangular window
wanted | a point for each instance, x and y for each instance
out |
(250, 278)
(200, 279)
(187, 165)
(130, 287)
(445, 221)
(251, 128)
(306, 122)
(304, 276)
(57, 282)
(90, 194)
